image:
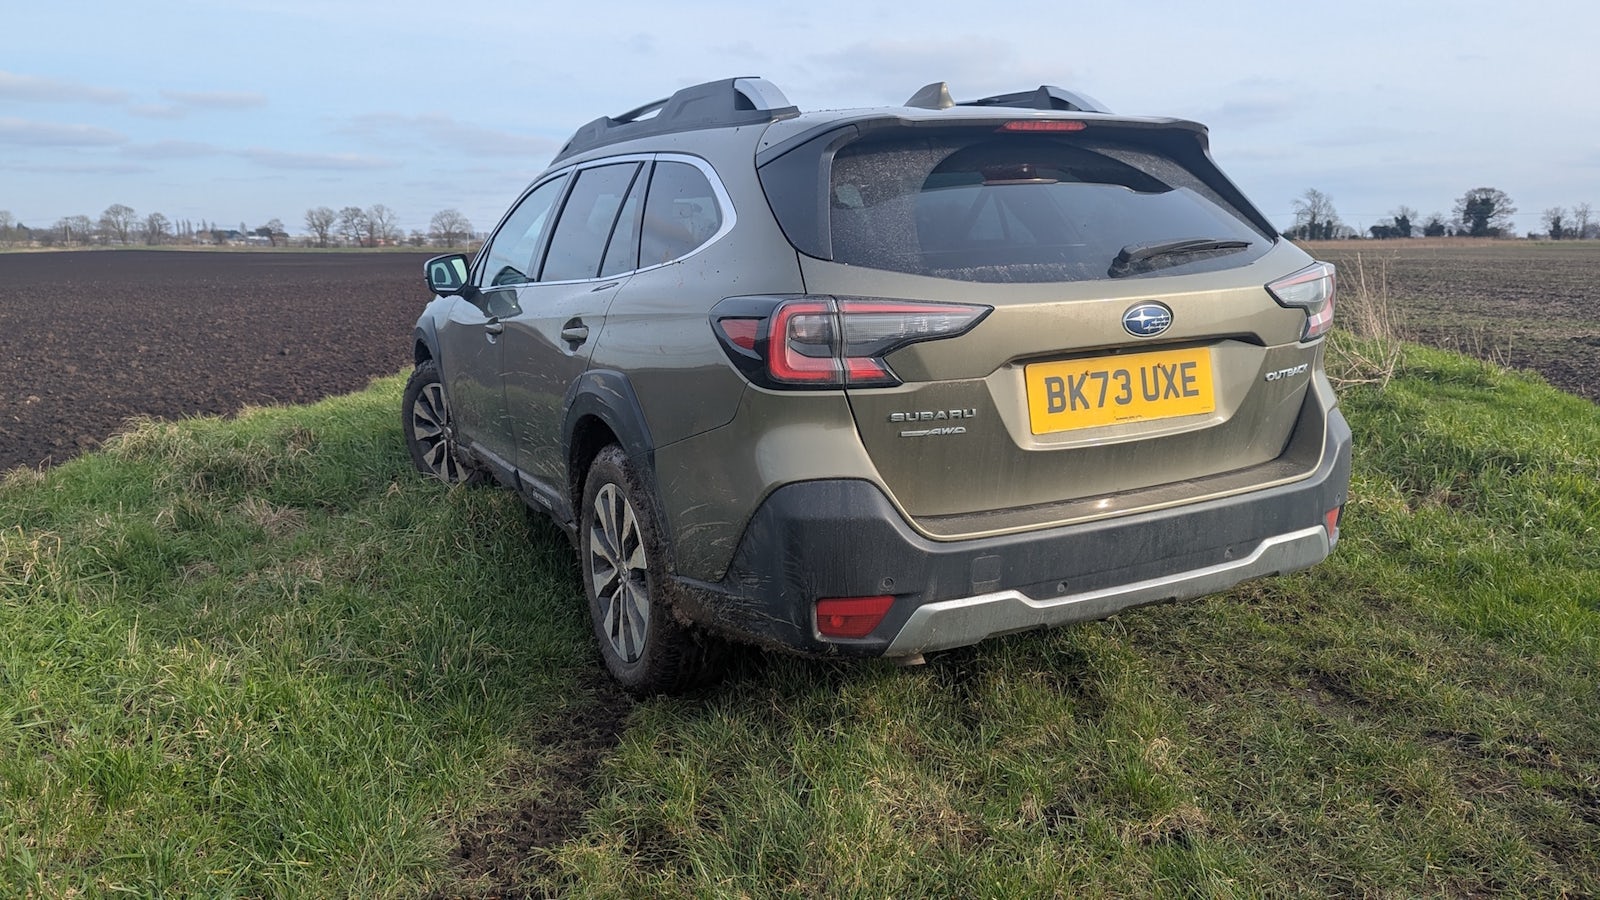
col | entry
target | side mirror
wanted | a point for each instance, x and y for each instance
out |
(446, 274)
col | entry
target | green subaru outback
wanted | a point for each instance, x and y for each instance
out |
(879, 382)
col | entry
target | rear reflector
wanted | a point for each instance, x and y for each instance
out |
(851, 617)
(1330, 519)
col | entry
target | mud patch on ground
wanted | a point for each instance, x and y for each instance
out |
(499, 852)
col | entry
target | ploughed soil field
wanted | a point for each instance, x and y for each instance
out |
(1523, 304)
(90, 338)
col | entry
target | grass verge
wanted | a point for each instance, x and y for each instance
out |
(259, 657)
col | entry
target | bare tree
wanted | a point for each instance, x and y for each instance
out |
(7, 228)
(74, 229)
(319, 222)
(1485, 212)
(352, 224)
(273, 231)
(1435, 226)
(117, 222)
(381, 227)
(449, 228)
(156, 229)
(1581, 226)
(1314, 216)
(1555, 223)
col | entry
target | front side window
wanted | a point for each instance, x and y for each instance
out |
(509, 256)
(587, 220)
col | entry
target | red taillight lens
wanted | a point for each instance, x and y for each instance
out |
(851, 617)
(1310, 289)
(832, 342)
(1043, 125)
(1330, 520)
(742, 333)
(802, 347)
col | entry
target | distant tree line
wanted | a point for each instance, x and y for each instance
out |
(1481, 212)
(352, 226)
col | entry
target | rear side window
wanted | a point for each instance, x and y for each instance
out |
(680, 213)
(988, 207)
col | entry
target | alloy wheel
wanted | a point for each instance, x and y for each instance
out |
(618, 570)
(430, 424)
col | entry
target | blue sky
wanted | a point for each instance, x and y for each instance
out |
(247, 111)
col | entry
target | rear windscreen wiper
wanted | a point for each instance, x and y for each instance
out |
(1136, 257)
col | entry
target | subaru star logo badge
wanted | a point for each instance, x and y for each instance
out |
(1147, 319)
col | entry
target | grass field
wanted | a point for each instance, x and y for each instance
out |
(260, 657)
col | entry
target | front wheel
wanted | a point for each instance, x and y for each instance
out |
(429, 429)
(645, 648)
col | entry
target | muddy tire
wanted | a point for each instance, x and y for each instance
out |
(429, 429)
(644, 646)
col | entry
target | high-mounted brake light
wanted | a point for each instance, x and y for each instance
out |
(1310, 289)
(1044, 125)
(827, 342)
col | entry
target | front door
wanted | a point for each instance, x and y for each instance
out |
(549, 340)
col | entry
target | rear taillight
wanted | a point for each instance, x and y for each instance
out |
(1310, 289)
(829, 342)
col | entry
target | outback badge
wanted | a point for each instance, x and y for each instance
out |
(1147, 319)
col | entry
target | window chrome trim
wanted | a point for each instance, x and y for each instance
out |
(724, 206)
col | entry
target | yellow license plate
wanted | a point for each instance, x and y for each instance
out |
(1138, 387)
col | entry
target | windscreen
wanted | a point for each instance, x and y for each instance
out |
(998, 207)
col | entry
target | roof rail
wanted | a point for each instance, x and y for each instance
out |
(716, 104)
(1046, 96)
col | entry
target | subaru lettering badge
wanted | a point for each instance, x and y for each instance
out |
(1147, 319)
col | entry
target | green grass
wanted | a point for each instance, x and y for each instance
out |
(259, 657)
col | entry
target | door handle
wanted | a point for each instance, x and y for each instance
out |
(494, 326)
(575, 333)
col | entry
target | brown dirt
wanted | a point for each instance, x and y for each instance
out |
(1523, 304)
(497, 853)
(90, 338)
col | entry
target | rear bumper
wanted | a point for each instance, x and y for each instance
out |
(843, 538)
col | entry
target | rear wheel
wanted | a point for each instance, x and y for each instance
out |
(429, 430)
(644, 646)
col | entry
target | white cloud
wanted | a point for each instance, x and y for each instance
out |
(285, 159)
(54, 90)
(446, 132)
(53, 134)
(216, 99)
(172, 150)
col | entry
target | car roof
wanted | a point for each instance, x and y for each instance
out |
(752, 100)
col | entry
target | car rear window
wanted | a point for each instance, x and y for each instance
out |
(995, 207)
